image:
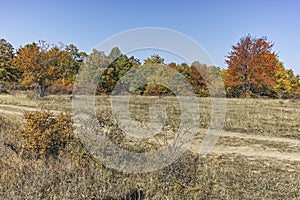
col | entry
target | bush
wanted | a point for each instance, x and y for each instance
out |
(157, 90)
(60, 86)
(45, 134)
(295, 94)
(3, 89)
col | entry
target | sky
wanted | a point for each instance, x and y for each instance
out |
(216, 25)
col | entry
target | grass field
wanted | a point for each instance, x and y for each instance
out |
(256, 157)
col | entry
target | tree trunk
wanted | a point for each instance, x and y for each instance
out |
(41, 87)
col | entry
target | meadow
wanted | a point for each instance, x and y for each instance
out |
(256, 157)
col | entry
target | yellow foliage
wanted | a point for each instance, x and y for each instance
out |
(46, 133)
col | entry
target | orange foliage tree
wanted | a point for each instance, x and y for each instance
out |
(32, 61)
(46, 65)
(251, 67)
(199, 73)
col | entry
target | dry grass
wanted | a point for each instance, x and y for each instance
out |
(254, 116)
(259, 144)
(74, 174)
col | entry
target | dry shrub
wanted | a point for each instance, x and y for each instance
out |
(3, 123)
(45, 133)
(60, 86)
(295, 94)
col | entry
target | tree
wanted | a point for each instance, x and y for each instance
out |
(96, 63)
(199, 73)
(32, 61)
(286, 82)
(184, 69)
(114, 53)
(67, 60)
(294, 84)
(8, 73)
(154, 59)
(215, 83)
(251, 66)
(47, 65)
(157, 77)
(282, 87)
(117, 66)
(121, 66)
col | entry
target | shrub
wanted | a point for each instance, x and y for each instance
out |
(45, 134)
(3, 89)
(157, 90)
(295, 94)
(60, 86)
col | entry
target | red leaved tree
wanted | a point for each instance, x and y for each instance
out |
(251, 67)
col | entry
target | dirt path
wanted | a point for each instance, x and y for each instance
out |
(249, 151)
(252, 152)
(18, 110)
(256, 137)
(9, 112)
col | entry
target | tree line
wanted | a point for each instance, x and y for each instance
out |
(254, 70)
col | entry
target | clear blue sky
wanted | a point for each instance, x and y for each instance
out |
(215, 24)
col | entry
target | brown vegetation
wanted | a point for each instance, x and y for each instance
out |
(74, 174)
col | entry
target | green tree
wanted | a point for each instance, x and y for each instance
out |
(114, 53)
(114, 72)
(157, 78)
(185, 70)
(8, 72)
(215, 83)
(154, 59)
(95, 64)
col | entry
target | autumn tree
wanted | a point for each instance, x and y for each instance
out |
(67, 60)
(282, 86)
(251, 67)
(198, 75)
(294, 81)
(8, 72)
(32, 61)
